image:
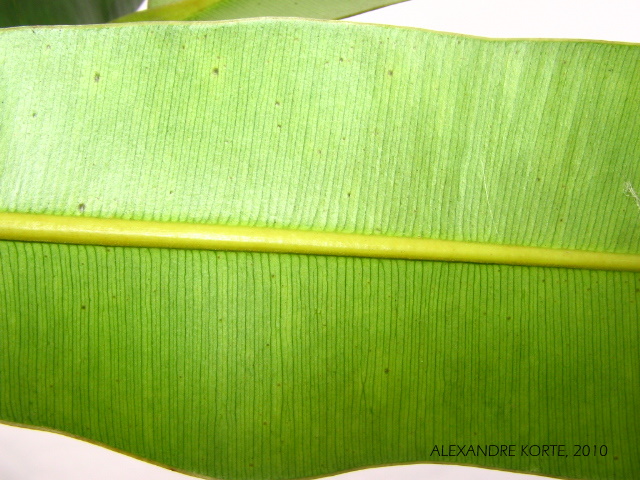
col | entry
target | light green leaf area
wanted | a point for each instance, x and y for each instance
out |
(276, 366)
(159, 3)
(67, 12)
(234, 9)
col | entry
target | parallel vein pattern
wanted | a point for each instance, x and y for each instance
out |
(239, 365)
(358, 128)
(272, 366)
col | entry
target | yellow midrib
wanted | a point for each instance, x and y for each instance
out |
(136, 233)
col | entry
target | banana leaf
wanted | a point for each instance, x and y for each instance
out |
(234, 9)
(267, 365)
(54, 12)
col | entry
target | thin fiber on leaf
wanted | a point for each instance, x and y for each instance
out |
(278, 366)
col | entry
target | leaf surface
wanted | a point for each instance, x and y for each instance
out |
(233, 9)
(66, 12)
(159, 3)
(272, 366)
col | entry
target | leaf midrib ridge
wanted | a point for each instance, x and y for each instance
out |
(136, 233)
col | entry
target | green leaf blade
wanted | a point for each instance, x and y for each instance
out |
(63, 12)
(533, 109)
(207, 10)
(259, 366)
(181, 357)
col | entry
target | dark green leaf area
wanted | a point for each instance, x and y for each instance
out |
(63, 12)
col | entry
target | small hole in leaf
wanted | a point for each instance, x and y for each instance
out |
(96, 77)
(215, 71)
(390, 73)
(81, 207)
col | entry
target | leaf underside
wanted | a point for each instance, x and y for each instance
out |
(234, 9)
(66, 12)
(274, 366)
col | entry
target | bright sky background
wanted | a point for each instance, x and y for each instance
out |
(32, 455)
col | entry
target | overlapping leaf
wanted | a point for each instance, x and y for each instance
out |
(231, 9)
(241, 365)
(65, 12)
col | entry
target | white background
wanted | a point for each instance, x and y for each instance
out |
(34, 455)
